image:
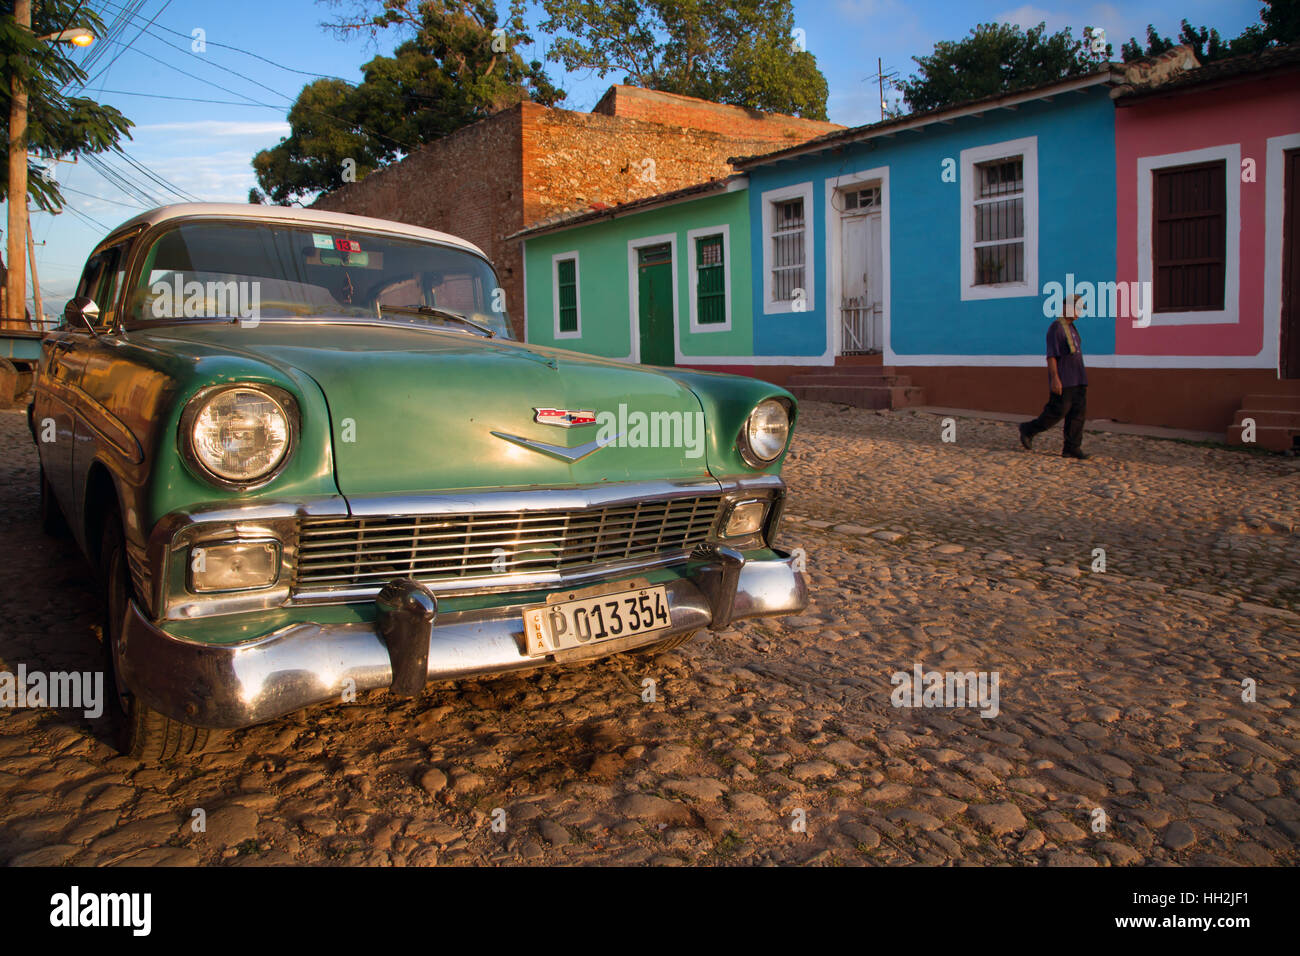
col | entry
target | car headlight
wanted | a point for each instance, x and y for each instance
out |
(766, 432)
(240, 435)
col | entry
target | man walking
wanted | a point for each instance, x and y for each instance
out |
(1069, 384)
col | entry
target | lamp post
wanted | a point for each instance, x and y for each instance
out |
(16, 278)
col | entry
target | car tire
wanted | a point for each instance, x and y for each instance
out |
(140, 731)
(664, 646)
(52, 520)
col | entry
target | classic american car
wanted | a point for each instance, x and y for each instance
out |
(306, 458)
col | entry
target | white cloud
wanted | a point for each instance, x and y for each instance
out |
(216, 128)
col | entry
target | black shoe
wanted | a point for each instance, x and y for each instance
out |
(1026, 441)
(1081, 455)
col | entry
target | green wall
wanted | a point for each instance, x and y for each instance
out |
(602, 249)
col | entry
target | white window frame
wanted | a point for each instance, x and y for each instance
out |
(634, 294)
(555, 292)
(769, 199)
(1274, 183)
(1230, 153)
(693, 277)
(1027, 149)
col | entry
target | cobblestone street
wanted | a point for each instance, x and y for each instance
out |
(1121, 737)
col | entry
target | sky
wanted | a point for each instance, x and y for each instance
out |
(259, 54)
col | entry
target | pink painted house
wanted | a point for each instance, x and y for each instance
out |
(1208, 213)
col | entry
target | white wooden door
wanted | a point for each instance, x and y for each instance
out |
(861, 286)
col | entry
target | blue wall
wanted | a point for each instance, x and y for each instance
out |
(1076, 231)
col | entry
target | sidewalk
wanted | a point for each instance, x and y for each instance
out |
(1092, 424)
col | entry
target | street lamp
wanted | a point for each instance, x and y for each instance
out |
(77, 36)
(16, 279)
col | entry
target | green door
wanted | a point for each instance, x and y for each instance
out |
(655, 304)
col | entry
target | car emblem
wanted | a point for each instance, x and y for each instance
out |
(570, 455)
(564, 417)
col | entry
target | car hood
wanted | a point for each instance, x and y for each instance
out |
(416, 410)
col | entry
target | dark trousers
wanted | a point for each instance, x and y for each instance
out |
(1072, 405)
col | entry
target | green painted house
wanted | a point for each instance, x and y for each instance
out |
(659, 281)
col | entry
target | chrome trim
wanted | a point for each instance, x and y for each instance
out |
(237, 685)
(571, 498)
(570, 455)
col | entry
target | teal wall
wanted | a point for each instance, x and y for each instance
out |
(602, 249)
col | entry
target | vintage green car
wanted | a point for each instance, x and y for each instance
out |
(306, 459)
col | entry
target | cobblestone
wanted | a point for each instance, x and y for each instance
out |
(776, 740)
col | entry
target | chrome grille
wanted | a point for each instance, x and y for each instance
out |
(356, 553)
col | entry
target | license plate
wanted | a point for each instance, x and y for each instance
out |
(562, 624)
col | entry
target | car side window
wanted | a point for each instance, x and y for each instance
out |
(109, 284)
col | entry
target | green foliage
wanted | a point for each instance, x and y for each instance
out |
(742, 52)
(1279, 24)
(453, 71)
(57, 124)
(996, 58)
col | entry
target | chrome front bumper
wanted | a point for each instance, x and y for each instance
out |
(237, 685)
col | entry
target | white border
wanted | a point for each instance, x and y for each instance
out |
(634, 297)
(1231, 154)
(555, 293)
(692, 277)
(1027, 148)
(834, 239)
(1274, 188)
(804, 191)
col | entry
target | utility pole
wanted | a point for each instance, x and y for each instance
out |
(16, 280)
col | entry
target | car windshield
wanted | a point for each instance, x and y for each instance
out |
(244, 270)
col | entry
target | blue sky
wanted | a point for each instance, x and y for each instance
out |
(204, 148)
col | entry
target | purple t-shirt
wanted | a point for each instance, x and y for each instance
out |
(1069, 365)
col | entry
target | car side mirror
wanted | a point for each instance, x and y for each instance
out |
(81, 311)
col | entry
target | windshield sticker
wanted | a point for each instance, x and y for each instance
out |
(347, 245)
(322, 242)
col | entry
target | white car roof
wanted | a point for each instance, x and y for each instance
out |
(292, 214)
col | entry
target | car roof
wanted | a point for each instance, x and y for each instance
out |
(291, 214)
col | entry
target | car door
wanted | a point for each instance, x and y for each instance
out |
(54, 408)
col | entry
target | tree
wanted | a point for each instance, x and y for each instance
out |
(742, 52)
(58, 124)
(457, 67)
(1279, 24)
(996, 58)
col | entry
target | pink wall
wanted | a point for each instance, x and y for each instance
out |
(1248, 113)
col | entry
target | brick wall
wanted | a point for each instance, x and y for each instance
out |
(669, 109)
(466, 184)
(572, 160)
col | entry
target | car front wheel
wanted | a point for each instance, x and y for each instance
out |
(141, 732)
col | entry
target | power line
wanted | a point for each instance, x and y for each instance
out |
(191, 99)
(158, 177)
(82, 192)
(258, 56)
(166, 4)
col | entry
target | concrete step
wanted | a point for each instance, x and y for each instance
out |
(861, 396)
(1272, 437)
(1271, 417)
(1272, 400)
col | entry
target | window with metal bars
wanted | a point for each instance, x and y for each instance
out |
(710, 282)
(999, 211)
(788, 260)
(566, 281)
(1189, 237)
